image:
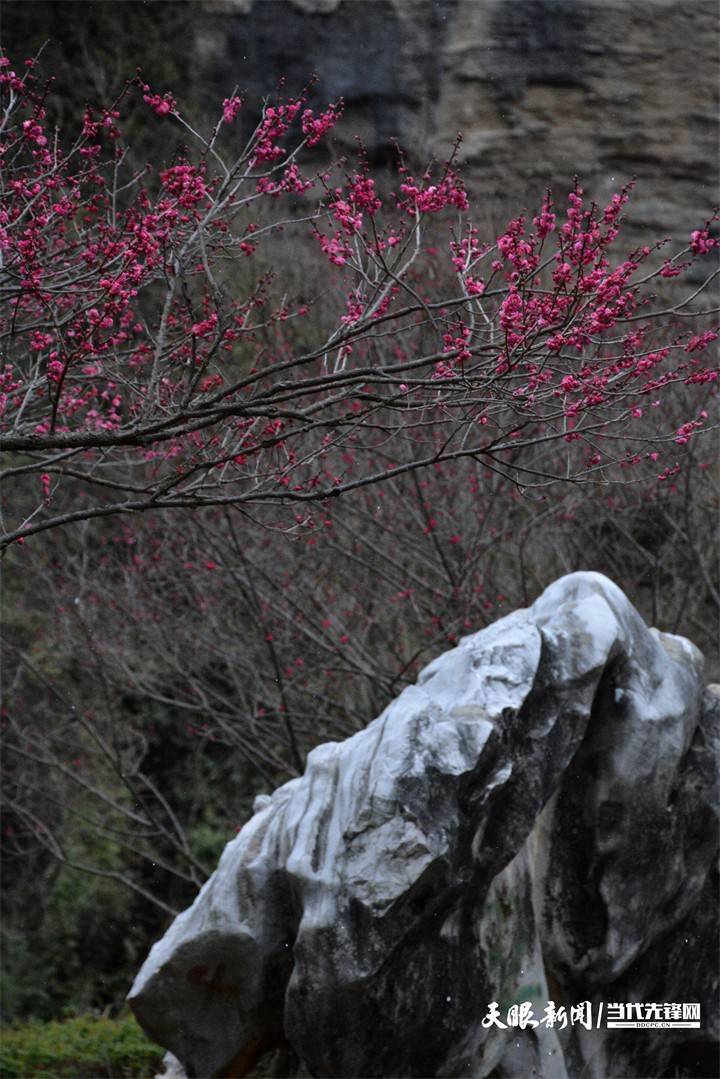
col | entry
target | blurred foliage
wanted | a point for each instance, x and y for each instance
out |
(76, 941)
(94, 48)
(73, 937)
(85, 1046)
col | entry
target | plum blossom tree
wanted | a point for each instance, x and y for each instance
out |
(155, 357)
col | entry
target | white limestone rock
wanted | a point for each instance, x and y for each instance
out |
(527, 822)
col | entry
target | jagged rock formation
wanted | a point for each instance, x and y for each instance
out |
(536, 819)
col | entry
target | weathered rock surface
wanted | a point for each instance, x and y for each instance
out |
(541, 89)
(536, 819)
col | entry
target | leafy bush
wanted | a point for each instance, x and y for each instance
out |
(83, 1046)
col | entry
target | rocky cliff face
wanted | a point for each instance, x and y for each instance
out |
(535, 821)
(541, 89)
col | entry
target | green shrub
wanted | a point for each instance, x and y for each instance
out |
(84, 1048)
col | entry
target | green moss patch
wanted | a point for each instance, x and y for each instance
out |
(83, 1048)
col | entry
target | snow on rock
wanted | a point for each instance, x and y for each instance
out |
(534, 820)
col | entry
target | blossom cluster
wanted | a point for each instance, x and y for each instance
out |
(316, 127)
(430, 198)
